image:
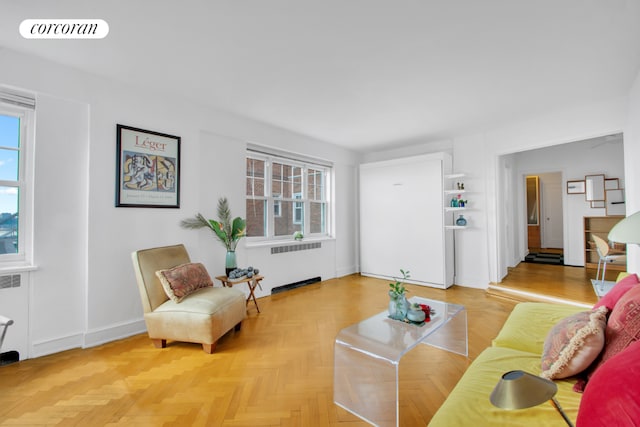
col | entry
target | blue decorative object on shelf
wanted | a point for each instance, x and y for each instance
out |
(461, 221)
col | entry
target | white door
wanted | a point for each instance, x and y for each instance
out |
(551, 198)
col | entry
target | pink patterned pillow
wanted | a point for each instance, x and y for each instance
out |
(623, 326)
(182, 280)
(573, 344)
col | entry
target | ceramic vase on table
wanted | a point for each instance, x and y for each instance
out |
(230, 263)
(398, 306)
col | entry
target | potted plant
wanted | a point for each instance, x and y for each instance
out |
(398, 304)
(229, 231)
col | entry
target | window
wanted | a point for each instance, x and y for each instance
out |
(298, 209)
(16, 122)
(286, 195)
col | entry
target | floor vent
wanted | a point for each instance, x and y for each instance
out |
(10, 281)
(290, 286)
(294, 248)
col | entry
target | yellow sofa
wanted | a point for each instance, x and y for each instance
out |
(518, 346)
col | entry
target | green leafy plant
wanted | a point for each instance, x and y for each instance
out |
(226, 229)
(398, 287)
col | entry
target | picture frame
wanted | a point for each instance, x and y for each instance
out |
(147, 168)
(575, 187)
(611, 184)
(594, 189)
(615, 202)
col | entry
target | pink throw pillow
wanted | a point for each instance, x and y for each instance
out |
(623, 328)
(618, 290)
(184, 279)
(573, 344)
(612, 396)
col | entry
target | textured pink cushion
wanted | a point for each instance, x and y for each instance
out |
(618, 290)
(573, 344)
(612, 396)
(184, 279)
(623, 326)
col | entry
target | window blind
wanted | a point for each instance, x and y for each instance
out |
(21, 100)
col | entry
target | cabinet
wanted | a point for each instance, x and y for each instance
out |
(402, 220)
(600, 226)
(453, 192)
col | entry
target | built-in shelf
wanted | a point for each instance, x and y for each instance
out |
(455, 227)
(454, 176)
(450, 222)
(600, 226)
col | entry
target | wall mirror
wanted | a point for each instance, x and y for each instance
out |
(594, 188)
(532, 200)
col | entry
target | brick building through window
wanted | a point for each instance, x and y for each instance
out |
(284, 196)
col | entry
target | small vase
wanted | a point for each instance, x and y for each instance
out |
(461, 221)
(398, 306)
(392, 305)
(230, 262)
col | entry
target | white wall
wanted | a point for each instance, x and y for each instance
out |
(485, 250)
(84, 291)
(632, 171)
(557, 127)
(574, 160)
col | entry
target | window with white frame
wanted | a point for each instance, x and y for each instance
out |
(16, 139)
(285, 195)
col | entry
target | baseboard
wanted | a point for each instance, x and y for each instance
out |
(56, 345)
(119, 331)
(90, 339)
(469, 282)
(342, 272)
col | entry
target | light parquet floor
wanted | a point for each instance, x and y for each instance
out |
(276, 371)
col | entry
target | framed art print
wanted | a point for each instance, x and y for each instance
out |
(148, 169)
(575, 187)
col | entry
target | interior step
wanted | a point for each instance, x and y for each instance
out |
(524, 296)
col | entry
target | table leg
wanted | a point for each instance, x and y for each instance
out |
(366, 385)
(252, 286)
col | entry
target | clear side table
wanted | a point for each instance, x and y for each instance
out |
(367, 357)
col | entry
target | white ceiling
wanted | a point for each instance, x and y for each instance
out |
(358, 73)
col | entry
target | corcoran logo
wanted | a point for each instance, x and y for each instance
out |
(64, 29)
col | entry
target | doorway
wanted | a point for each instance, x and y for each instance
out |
(545, 226)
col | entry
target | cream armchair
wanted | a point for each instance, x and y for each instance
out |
(200, 317)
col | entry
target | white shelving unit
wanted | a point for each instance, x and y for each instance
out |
(450, 223)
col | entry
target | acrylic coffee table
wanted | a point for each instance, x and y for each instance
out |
(367, 357)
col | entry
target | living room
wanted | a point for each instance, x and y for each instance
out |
(80, 290)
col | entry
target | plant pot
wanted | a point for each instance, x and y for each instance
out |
(398, 306)
(230, 262)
